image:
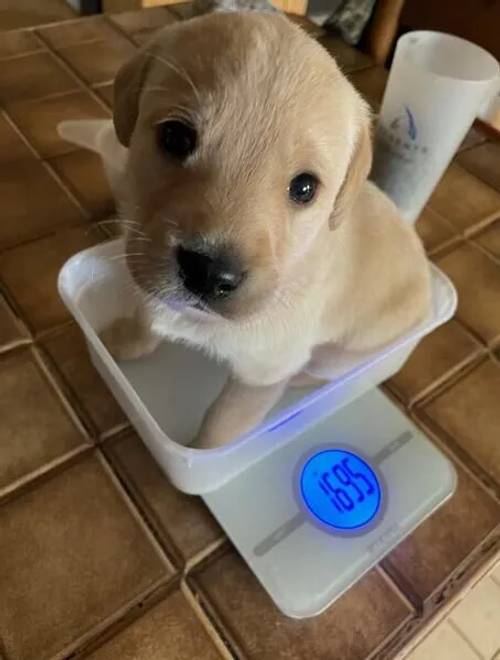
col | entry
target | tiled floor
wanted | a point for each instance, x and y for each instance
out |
(27, 13)
(99, 556)
(470, 630)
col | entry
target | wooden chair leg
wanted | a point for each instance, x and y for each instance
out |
(383, 28)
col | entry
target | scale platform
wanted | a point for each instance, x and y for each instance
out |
(316, 495)
(315, 515)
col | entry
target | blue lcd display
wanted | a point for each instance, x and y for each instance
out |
(340, 489)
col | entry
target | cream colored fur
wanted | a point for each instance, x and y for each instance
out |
(341, 277)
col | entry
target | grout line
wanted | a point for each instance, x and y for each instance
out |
(19, 312)
(48, 470)
(480, 227)
(57, 376)
(406, 626)
(453, 379)
(36, 352)
(46, 97)
(121, 31)
(198, 558)
(421, 636)
(464, 638)
(485, 251)
(73, 72)
(101, 635)
(477, 356)
(13, 345)
(162, 536)
(436, 616)
(449, 445)
(215, 617)
(447, 246)
(17, 56)
(115, 431)
(50, 169)
(108, 623)
(136, 514)
(395, 588)
(194, 601)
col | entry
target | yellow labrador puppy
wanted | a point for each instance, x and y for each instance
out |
(252, 230)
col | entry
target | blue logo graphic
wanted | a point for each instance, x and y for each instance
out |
(409, 123)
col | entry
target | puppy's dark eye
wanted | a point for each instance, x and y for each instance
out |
(176, 139)
(302, 188)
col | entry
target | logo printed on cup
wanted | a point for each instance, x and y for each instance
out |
(401, 134)
(436, 86)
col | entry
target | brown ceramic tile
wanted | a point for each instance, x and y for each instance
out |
(98, 61)
(463, 199)
(33, 203)
(469, 413)
(348, 58)
(73, 32)
(477, 279)
(12, 147)
(82, 171)
(30, 273)
(441, 543)
(483, 162)
(106, 93)
(24, 13)
(38, 119)
(33, 76)
(18, 42)
(439, 355)
(434, 230)
(69, 353)
(181, 521)
(170, 629)
(371, 84)
(72, 555)
(474, 137)
(353, 627)
(12, 330)
(35, 427)
(490, 239)
(141, 24)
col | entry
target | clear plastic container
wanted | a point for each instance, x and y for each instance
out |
(165, 395)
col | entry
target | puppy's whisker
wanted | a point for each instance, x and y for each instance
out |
(126, 225)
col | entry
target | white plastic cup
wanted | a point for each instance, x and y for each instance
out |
(436, 87)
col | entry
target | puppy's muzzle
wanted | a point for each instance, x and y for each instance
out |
(209, 275)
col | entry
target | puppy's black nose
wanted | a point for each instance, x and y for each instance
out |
(209, 276)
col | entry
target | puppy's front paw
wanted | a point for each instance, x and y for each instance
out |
(126, 341)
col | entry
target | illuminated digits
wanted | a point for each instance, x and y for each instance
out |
(344, 478)
(357, 475)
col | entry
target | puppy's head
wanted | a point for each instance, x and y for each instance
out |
(245, 143)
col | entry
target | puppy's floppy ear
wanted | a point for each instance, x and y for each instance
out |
(357, 173)
(127, 91)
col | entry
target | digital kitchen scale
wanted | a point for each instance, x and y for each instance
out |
(322, 490)
(314, 516)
